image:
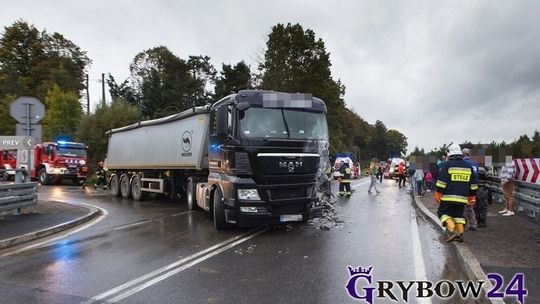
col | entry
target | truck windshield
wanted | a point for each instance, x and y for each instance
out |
(283, 123)
(72, 152)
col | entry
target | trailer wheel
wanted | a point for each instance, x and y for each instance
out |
(44, 178)
(136, 189)
(115, 185)
(218, 210)
(190, 195)
(125, 187)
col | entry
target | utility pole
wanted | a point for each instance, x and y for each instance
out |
(103, 87)
(87, 96)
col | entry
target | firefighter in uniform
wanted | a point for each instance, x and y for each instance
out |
(345, 180)
(101, 177)
(456, 188)
(328, 171)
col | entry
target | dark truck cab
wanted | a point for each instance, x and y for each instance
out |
(264, 153)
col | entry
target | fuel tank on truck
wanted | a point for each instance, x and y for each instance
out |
(178, 141)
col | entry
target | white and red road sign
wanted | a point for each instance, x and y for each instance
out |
(528, 170)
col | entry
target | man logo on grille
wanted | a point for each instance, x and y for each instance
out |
(290, 165)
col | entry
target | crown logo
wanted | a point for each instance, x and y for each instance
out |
(359, 270)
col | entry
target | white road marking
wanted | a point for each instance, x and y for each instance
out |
(179, 269)
(132, 225)
(62, 235)
(162, 273)
(419, 266)
(365, 182)
(180, 213)
(148, 220)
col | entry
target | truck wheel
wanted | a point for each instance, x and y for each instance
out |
(125, 187)
(44, 178)
(136, 189)
(115, 185)
(218, 210)
(190, 195)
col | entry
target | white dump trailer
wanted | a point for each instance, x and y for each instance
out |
(176, 142)
(250, 159)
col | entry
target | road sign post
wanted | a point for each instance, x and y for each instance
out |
(28, 111)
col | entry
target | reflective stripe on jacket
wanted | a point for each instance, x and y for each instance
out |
(345, 174)
(456, 181)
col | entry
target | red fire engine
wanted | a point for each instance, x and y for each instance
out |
(54, 161)
(8, 162)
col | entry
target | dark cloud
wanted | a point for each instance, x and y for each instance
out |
(436, 71)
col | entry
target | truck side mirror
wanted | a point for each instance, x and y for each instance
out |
(243, 106)
(221, 120)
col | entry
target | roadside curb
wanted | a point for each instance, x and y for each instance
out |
(92, 213)
(472, 266)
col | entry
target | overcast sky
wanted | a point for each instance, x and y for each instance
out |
(437, 71)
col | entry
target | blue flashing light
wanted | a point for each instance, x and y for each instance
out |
(62, 142)
(214, 148)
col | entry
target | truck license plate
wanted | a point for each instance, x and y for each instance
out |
(291, 218)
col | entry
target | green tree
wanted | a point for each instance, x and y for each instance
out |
(32, 62)
(522, 148)
(295, 61)
(203, 75)
(358, 137)
(418, 152)
(7, 125)
(63, 113)
(396, 143)
(536, 144)
(122, 91)
(93, 127)
(379, 147)
(164, 84)
(233, 79)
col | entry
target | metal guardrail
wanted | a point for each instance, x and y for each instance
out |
(526, 197)
(18, 195)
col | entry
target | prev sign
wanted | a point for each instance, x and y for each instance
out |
(16, 142)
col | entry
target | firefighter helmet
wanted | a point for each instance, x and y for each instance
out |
(454, 149)
(100, 164)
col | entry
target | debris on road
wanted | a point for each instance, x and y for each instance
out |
(323, 215)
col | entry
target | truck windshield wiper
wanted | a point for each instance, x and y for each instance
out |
(286, 125)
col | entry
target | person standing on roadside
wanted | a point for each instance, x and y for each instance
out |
(372, 176)
(483, 195)
(456, 187)
(508, 173)
(401, 174)
(429, 181)
(101, 176)
(379, 173)
(345, 180)
(472, 223)
(418, 178)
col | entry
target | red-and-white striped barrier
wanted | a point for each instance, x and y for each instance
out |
(528, 170)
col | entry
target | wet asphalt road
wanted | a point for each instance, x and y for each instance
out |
(158, 252)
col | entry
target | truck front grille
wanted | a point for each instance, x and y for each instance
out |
(281, 194)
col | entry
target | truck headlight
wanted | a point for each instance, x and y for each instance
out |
(57, 170)
(248, 194)
(82, 162)
(249, 209)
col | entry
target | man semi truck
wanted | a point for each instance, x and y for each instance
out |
(250, 159)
